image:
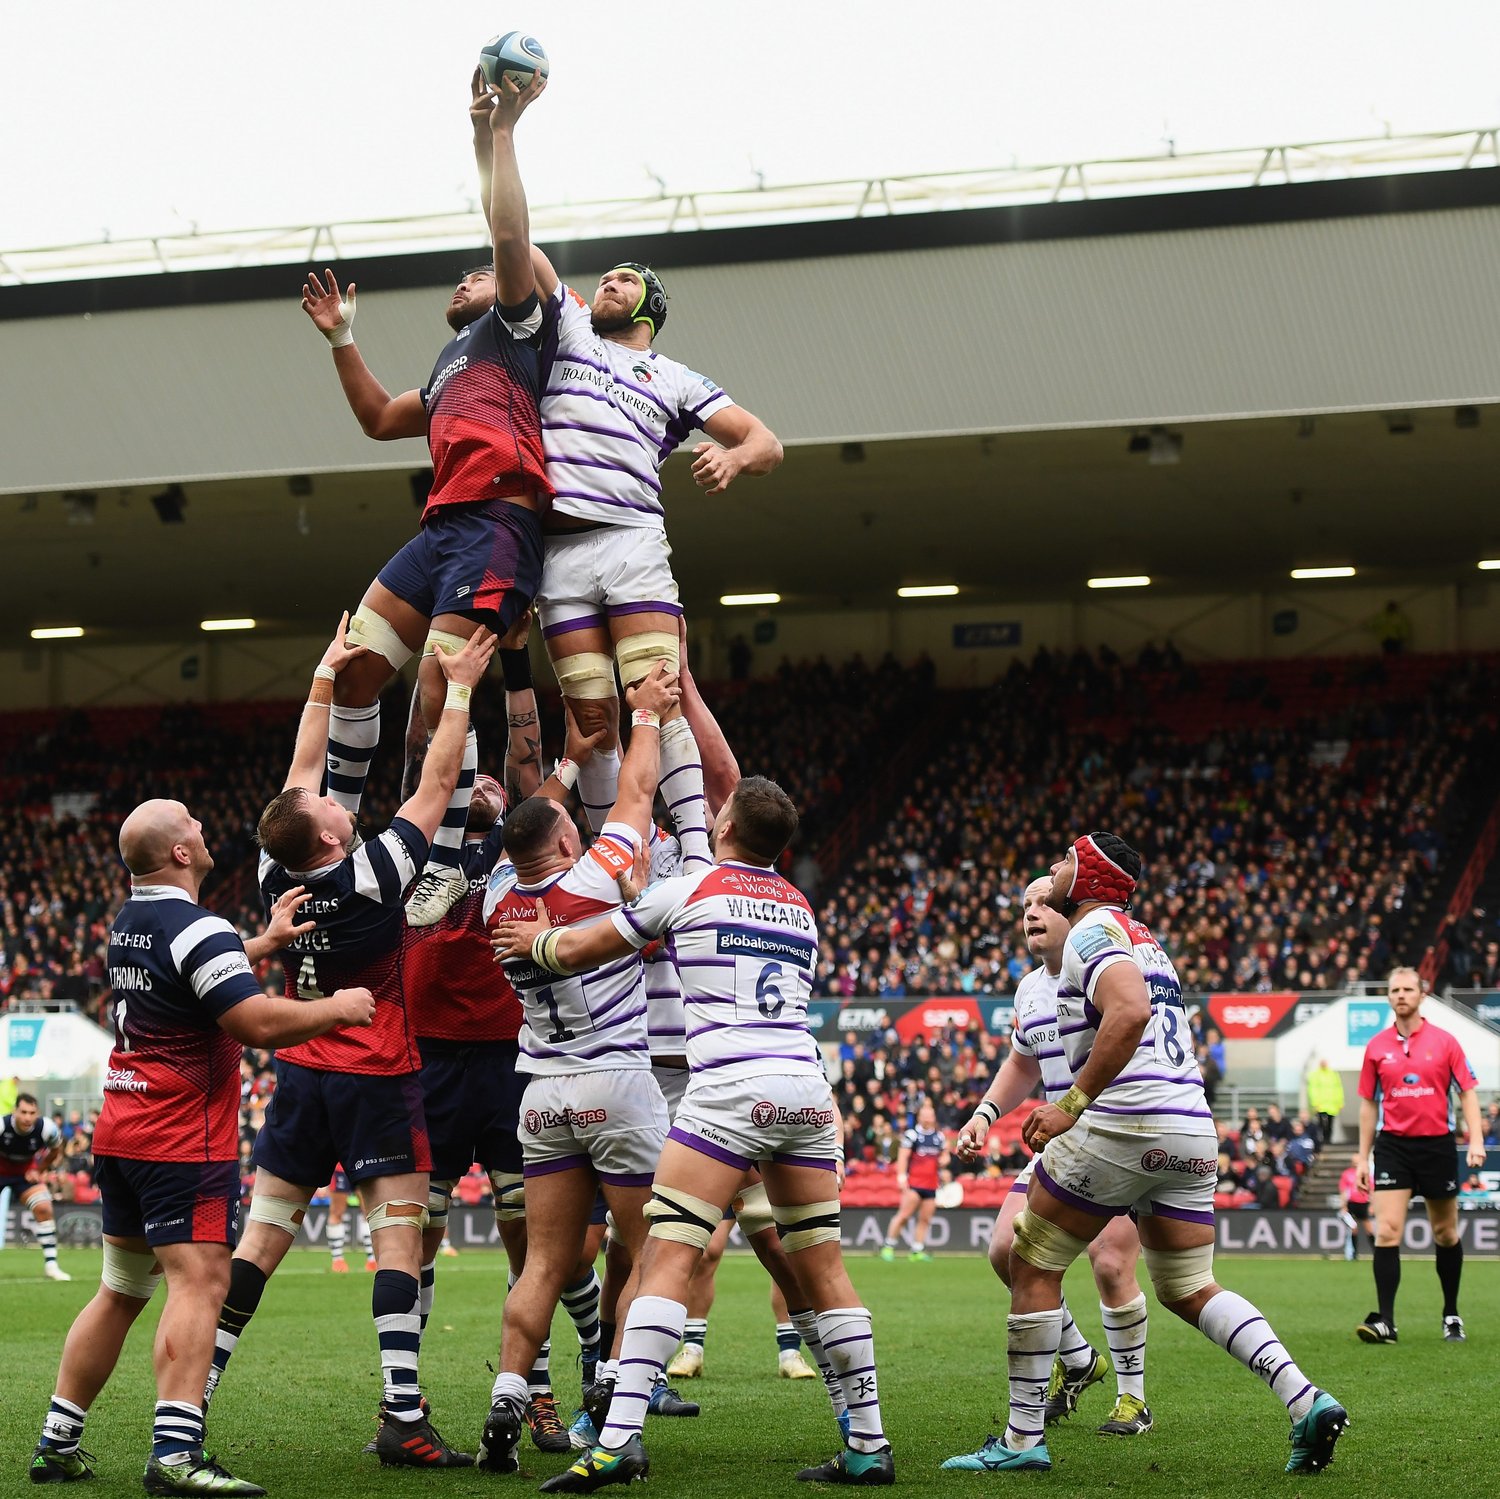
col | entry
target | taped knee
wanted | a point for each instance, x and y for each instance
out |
(1179, 1273)
(637, 655)
(589, 674)
(439, 1196)
(376, 633)
(129, 1273)
(1042, 1243)
(445, 641)
(753, 1211)
(808, 1224)
(399, 1212)
(508, 1188)
(683, 1219)
(278, 1212)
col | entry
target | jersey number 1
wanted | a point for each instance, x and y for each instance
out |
(559, 1031)
(121, 1039)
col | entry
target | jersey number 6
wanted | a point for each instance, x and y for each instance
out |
(769, 1000)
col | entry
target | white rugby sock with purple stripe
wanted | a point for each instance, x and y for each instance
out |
(1125, 1328)
(653, 1329)
(1031, 1340)
(847, 1340)
(1240, 1330)
(598, 785)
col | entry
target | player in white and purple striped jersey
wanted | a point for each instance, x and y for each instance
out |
(746, 944)
(1038, 1056)
(612, 411)
(592, 1116)
(1132, 1134)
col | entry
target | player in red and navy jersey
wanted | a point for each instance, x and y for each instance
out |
(477, 557)
(1406, 1113)
(30, 1146)
(467, 1019)
(923, 1153)
(353, 1096)
(185, 1003)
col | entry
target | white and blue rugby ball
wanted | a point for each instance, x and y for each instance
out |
(512, 55)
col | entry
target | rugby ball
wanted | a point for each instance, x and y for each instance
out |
(512, 55)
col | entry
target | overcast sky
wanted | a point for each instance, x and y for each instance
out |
(147, 117)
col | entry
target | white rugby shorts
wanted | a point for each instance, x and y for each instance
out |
(614, 1120)
(1108, 1169)
(784, 1117)
(673, 1082)
(588, 576)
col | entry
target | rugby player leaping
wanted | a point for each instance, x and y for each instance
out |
(613, 410)
(477, 558)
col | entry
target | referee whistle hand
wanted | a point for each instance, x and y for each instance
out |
(1363, 1179)
(1477, 1154)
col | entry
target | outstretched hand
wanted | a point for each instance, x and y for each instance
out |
(340, 653)
(467, 666)
(332, 311)
(284, 927)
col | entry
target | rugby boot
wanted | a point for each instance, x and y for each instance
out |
(48, 1465)
(1064, 1388)
(600, 1466)
(995, 1457)
(870, 1469)
(199, 1475)
(1315, 1435)
(547, 1431)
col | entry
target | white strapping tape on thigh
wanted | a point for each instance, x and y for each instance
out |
(376, 633)
(278, 1212)
(445, 641)
(752, 1211)
(129, 1273)
(807, 1224)
(638, 654)
(439, 1196)
(1179, 1273)
(1042, 1243)
(680, 1217)
(399, 1212)
(589, 675)
(508, 1188)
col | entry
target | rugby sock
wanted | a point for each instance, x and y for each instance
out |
(509, 1390)
(177, 1432)
(338, 1238)
(46, 1236)
(393, 1304)
(446, 854)
(1075, 1350)
(1240, 1330)
(1031, 1340)
(63, 1429)
(581, 1299)
(598, 785)
(652, 1330)
(681, 788)
(845, 1334)
(1387, 1279)
(806, 1324)
(788, 1339)
(353, 734)
(426, 1289)
(1450, 1266)
(247, 1284)
(539, 1380)
(1125, 1328)
(695, 1330)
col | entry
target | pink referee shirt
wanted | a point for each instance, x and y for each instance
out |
(1410, 1079)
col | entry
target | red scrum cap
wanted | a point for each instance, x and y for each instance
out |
(1106, 876)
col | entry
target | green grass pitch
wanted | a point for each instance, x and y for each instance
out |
(299, 1399)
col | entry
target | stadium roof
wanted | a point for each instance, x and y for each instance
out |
(668, 213)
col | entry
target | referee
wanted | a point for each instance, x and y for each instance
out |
(1404, 1084)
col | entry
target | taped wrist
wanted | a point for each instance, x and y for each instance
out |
(457, 698)
(1074, 1101)
(566, 773)
(544, 952)
(986, 1115)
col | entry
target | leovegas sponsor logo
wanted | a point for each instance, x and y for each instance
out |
(1249, 1017)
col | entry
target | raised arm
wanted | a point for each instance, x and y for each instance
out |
(380, 415)
(311, 751)
(650, 700)
(742, 444)
(509, 218)
(424, 808)
(721, 770)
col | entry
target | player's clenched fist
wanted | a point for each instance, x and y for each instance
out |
(971, 1138)
(356, 1006)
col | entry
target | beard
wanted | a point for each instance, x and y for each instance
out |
(460, 317)
(611, 322)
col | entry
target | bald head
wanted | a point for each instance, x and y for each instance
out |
(151, 832)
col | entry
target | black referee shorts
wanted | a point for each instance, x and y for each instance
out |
(1424, 1164)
